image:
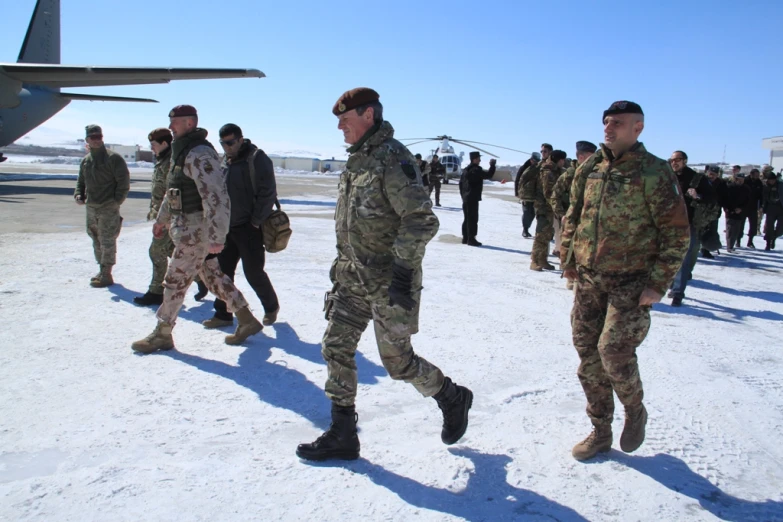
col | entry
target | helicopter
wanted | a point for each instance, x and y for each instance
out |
(451, 160)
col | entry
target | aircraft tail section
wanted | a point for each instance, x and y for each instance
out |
(42, 41)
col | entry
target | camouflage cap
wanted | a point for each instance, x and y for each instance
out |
(93, 130)
(353, 99)
(622, 107)
(767, 168)
(183, 110)
(160, 134)
(586, 146)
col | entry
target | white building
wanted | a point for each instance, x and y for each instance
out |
(306, 164)
(775, 147)
(128, 152)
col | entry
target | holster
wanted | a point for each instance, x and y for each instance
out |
(175, 200)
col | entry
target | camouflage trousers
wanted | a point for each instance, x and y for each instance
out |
(545, 231)
(187, 262)
(103, 226)
(160, 252)
(607, 326)
(349, 310)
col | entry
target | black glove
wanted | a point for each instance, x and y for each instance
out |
(400, 288)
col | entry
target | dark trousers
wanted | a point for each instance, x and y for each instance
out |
(470, 212)
(773, 228)
(528, 215)
(753, 224)
(246, 242)
(734, 232)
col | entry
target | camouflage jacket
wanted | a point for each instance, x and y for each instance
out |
(103, 178)
(561, 194)
(547, 178)
(162, 164)
(528, 183)
(627, 216)
(384, 214)
(202, 165)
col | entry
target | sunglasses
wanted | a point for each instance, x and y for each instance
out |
(95, 137)
(676, 159)
(229, 143)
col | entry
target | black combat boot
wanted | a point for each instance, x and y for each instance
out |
(339, 442)
(677, 300)
(768, 247)
(472, 241)
(750, 244)
(202, 290)
(149, 299)
(706, 254)
(454, 401)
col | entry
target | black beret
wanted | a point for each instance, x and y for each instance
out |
(586, 146)
(736, 167)
(557, 155)
(93, 130)
(160, 134)
(183, 110)
(768, 174)
(622, 107)
(353, 99)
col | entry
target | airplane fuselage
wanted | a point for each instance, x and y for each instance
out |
(36, 105)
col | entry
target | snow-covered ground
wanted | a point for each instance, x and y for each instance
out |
(90, 431)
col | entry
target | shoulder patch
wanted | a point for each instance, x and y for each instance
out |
(408, 169)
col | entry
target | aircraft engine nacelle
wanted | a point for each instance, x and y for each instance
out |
(9, 92)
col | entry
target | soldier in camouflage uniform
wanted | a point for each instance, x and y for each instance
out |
(551, 169)
(160, 249)
(195, 209)
(561, 194)
(103, 185)
(383, 222)
(625, 236)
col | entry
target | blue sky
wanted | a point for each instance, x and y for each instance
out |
(708, 74)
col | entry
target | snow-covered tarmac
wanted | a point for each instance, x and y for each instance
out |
(90, 431)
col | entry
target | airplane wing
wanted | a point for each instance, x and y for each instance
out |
(96, 97)
(56, 76)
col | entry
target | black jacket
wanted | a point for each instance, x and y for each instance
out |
(703, 189)
(471, 184)
(248, 205)
(756, 193)
(737, 197)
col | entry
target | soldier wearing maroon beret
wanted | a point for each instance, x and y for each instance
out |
(383, 222)
(195, 214)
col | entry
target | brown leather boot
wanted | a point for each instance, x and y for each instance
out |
(271, 317)
(159, 339)
(103, 279)
(599, 441)
(247, 325)
(634, 429)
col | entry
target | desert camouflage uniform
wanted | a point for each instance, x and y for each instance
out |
(103, 183)
(160, 249)
(193, 232)
(626, 230)
(384, 216)
(544, 216)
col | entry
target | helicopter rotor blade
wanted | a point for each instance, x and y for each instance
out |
(474, 147)
(417, 142)
(497, 146)
(423, 139)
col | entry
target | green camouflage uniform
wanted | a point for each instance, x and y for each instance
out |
(103, 183)
(561, 194)
(545, 228)
(626, 230)
(384, 216)
(194, 230)
(160, 249)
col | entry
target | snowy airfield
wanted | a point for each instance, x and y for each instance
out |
(91, 431)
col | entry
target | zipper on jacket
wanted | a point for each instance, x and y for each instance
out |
(604, 180)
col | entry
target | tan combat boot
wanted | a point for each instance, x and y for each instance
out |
(247, 325)
(271, 317)
(159, 339)
(216, 322)
(599, 441)
(634, 429)
(103, 279)
(535, 267)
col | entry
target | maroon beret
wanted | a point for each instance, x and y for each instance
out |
(354, 98)
(160, 134)
(183, 110)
